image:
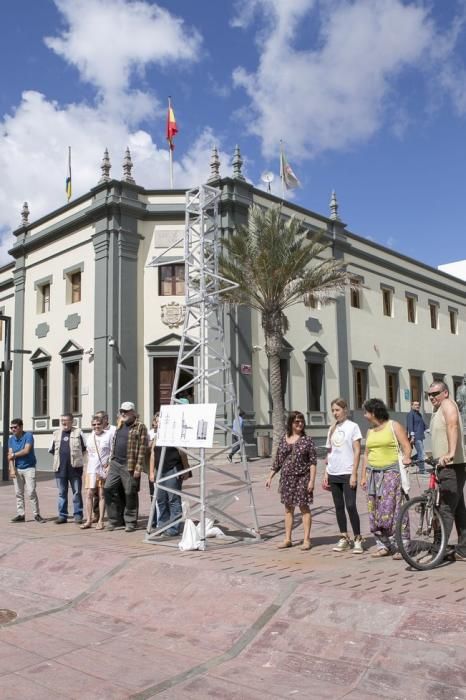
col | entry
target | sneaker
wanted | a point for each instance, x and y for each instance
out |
(130, 528)
(358, 548)
(459, 557)
(18, 519)
(39, 519)
(229, 458)
(60, 520)
(78, 520)
(343, 545)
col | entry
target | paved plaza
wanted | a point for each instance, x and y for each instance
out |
(104, 615)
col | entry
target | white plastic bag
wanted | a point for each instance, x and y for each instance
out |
(190, 538)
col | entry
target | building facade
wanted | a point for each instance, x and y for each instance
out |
(94, 324)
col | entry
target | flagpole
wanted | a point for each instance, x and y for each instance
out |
(170, 144)
(68, 179)
(282, 175)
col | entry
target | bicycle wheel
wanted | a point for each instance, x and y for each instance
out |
(427, 542)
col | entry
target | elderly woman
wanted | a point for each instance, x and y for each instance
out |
(381, 475)
(296, 461)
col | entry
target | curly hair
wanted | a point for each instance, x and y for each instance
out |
(291, 418)
(377, 408)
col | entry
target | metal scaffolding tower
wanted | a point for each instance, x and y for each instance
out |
(203, 356)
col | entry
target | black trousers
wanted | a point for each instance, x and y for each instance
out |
(344, 496)
(120, 485)
(452, 506)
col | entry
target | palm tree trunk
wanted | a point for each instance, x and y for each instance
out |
(273, 346)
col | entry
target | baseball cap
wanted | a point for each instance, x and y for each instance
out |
(127, 406)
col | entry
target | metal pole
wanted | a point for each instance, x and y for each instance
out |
(6, 395)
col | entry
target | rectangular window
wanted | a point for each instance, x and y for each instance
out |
(75, 285)
(315, 381)
(355, 293)
(433, 310)
(453, 314)
(415, 387)
(391, 381)
(44, 298)
(411, 309)
(360, 386)
(387, 301)
(41, 391)
(171, 280)
(72, 387)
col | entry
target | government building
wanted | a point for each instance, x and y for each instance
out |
(93, 324)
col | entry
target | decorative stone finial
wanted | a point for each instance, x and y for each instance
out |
(127, 167)
(214, 165)
(334, 207)
(237, 165)
(25, 214)
(105, 168)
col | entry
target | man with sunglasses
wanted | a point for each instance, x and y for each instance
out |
(126, 463)
(448, 449)
(22, 462)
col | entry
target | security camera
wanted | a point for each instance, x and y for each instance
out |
(89, 351)
(111, 342)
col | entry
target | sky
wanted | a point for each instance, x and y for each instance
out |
(368, 97)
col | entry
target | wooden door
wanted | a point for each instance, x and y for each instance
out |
(164, 376)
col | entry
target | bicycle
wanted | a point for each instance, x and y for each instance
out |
(427, 545)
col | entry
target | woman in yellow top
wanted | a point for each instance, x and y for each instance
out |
(381, 475)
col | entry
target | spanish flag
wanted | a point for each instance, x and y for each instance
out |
(68, 177)
(172, 128)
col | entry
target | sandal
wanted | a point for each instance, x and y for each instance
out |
(85, 526)
(306, 546)
(380, 553)
(285, 544)
(99, 526)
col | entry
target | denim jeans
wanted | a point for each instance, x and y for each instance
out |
(169, 504)
(419, 447)
(74, 477)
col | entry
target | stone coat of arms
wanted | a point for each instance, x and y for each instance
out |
(172, 314)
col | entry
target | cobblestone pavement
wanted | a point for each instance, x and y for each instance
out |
(89, 614)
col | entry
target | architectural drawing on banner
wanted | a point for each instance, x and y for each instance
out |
(187, 425)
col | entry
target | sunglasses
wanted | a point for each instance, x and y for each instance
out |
(431, 394)
(96, 425)
(14, 427)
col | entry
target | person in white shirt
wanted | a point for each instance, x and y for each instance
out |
(99, 447)
(341, 474)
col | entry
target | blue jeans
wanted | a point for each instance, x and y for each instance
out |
(169, 504)
(74, 477)
(419, 447)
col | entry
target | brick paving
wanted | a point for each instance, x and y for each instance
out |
(106, 615)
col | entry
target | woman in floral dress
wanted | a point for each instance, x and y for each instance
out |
(381, 476)
(296, 461)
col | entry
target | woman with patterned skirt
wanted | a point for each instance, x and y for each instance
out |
(381, 476)
(296, 460)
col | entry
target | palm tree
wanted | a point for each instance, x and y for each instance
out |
(276, 263)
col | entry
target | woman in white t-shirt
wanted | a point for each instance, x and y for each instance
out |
(341, 473)
(99, 447)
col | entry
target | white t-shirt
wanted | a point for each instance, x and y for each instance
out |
(98, 455)
(341, 457)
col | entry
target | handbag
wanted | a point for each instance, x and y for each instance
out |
(404, 473)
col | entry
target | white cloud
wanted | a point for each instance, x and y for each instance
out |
(336, 94)
(108, 40)
(33, 157)
(34, 138)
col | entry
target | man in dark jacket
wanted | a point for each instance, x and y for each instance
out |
(416, 428)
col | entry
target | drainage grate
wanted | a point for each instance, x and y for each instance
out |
(6, 616)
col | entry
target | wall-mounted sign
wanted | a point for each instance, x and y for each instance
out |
(246, 369)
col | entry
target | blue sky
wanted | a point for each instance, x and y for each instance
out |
(369, 98)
